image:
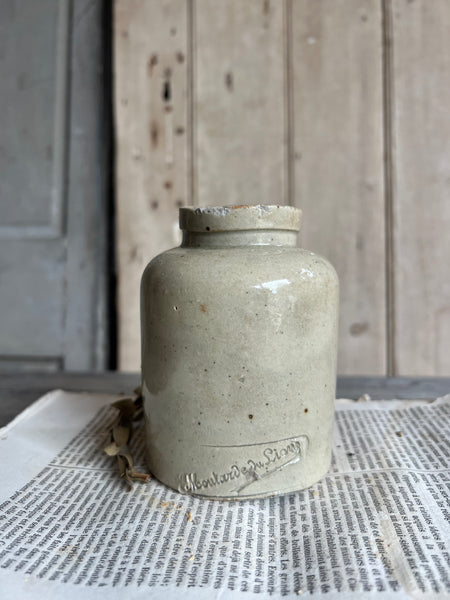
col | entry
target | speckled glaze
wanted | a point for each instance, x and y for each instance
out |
(239, 334)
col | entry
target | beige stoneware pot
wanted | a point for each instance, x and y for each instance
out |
(239, 335)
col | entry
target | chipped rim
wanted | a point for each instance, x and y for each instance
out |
(210, 219)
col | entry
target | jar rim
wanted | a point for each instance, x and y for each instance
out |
(210, 219)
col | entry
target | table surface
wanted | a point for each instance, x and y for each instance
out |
(18, 390)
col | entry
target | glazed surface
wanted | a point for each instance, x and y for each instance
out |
(238, 368)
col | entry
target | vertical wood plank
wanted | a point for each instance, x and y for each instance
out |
(421, 134)
(239, 103)
(338, 163)
(150, 43)
(86, 327)
(52, 230)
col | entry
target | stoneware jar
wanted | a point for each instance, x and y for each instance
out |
(239, 332)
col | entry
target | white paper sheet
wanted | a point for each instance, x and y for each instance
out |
(378, 523)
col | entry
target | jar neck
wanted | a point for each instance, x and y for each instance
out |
(247, 237)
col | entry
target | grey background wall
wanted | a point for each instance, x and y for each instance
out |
(340, 107)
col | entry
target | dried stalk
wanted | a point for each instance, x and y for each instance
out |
(129, 411)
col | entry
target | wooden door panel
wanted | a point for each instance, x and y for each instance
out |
(239, 96)
(152, 138)
(420, 104)
(53, 215)
(32, 276)
(338, 163)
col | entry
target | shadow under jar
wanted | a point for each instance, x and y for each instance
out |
(239, 338)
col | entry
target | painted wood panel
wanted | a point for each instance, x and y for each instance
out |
(32, 278)
(239, 97)
(32, 116)
(52, 218)
(32, 121)
(337, 154)
(151, 107)
(297, 102)
(86, 319)
(421, 184)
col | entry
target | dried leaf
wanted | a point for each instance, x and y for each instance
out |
(129, 410)
(139, 409)
(123, 470)
(139, 401)
(138, 414)
(122, 466)
(121, 435)
(111, 449)
(126, 407)
(125, 455)
(139, 476)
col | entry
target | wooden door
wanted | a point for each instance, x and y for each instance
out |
(52, 221)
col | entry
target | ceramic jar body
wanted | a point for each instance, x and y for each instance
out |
(239, 364)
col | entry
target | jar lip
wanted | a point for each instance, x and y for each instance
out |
(239, 217)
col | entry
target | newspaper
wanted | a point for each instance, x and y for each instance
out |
(377, 524)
